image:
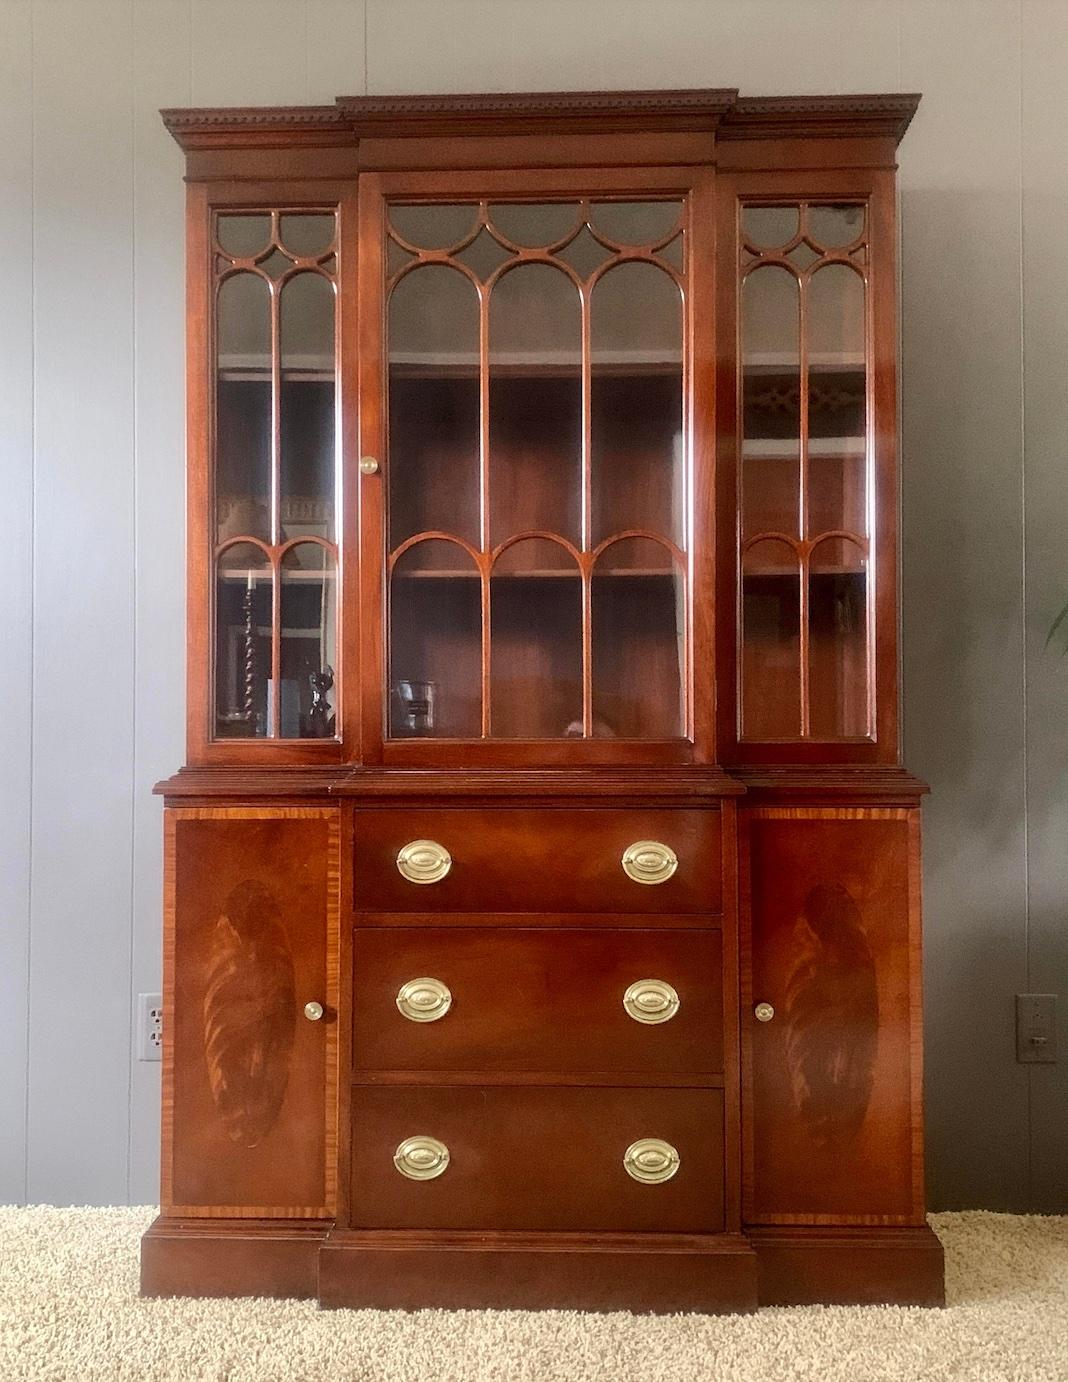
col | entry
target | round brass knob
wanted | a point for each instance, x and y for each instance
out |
(421, 1158)
(648, 861)
(424, 861)
(763, 1012)
(368, 465)
(651, 1000)
(313, 1011)
(424, 1000)
(651, 1161)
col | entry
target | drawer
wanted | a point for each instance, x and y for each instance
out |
(537, 1159)
(538, 1000)
(538, 860)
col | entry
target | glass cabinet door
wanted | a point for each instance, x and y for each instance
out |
(537, 470)
(275, 538)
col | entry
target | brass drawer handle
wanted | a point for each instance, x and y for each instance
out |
(424, 861)
(424, 1000)
(421, 1158)
(651, 1000)
(649, 861)
(651, 1161)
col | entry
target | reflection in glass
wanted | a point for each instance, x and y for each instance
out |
(771, 641)
(770, 227)
(484, 255)
(771, 399)
(243, 408)
(433, 227)
(433, 404)
(838, 641)
(243, 237)
(639, 642)
(309, 642)
(584, 254)
(534, 225)
(835, 317)
(308, 453)
(637, 444)
(243, 586)
(535, 404)
(635, 223)
(536, 644)
(835, 226)
(307, 236)
(435, 627)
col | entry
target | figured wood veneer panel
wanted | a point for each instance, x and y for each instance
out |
(253, 914)
(833, 1079)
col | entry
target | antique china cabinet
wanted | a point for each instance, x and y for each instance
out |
(542, 889)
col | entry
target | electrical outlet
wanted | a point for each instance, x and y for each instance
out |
(1036, 1028)
(149, 1026)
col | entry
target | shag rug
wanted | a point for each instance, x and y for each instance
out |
(70, 1312)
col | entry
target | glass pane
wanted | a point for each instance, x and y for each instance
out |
(434, 425)
(243, 408)
(837, 382)
(771, 642)
(243, 586)
(834, 226)
(584, 254)
(307, 236)
(308, 472)
(836, 317)
(243, 236)
(536, 664)
(639, 642)
(309, 643)
(436, 227)
(534, 225)
(635, 223)
(435, 628)
(838, 641)
(483, 256)
(637, 446)
(770, 227)
(771, 400)
(535, 404)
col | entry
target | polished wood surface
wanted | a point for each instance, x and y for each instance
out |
(538, 860)
(537, 1159)
(800, 1139)
(539, 1000)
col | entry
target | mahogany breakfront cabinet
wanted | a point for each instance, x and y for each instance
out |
(542, 891)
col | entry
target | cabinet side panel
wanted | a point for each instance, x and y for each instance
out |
(834, 1089)
(252, 912)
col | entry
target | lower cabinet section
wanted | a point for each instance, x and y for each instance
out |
(545, 1159)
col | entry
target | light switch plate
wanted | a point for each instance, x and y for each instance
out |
(1036, 1028)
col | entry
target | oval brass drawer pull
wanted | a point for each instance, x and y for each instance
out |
(651, 1000)
(649, 861)
(421, 1158)
(651, 1161)
(424, 1000)
(424, 861)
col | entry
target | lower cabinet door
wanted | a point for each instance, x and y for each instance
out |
(249, 1093)
(537, 1158)
(833, 1117)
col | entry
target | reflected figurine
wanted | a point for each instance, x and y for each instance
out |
(319, 722)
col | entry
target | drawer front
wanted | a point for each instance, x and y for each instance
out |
(533, 1000)
(537, 1159)
(539, 860)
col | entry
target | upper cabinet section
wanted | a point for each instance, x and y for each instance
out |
(531, 430)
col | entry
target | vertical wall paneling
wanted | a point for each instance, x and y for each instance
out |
(161, 76)
(1045, 226)
(16, 549)
(83, 664)
(962, 563)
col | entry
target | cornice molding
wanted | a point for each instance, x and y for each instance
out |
(712, 110)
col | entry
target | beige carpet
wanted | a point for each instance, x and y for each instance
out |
(69, 1312)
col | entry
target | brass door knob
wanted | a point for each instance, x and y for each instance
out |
(649, 861)
(763, 1012)
(651, 1000)
(368, 465)
(313, 1011)
(424, 1000)
(424, 861)
(421, 1158)
(651, 1161)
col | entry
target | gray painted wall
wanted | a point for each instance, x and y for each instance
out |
(91, 424)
